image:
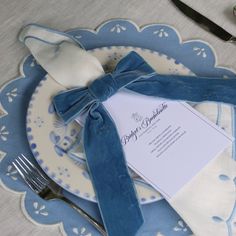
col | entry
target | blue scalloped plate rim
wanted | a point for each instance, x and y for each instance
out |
(194, 54)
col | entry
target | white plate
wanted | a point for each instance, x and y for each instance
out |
(58, 148)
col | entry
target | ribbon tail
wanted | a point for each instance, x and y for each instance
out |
(113, 185)
(188, 88)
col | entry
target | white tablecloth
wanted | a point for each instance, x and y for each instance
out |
(68, 14)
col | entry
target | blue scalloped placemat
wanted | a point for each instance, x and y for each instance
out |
(160, 218)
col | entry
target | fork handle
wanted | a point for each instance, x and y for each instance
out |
(88, 217)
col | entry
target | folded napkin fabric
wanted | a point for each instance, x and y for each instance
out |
(56, 53)
(132, 73)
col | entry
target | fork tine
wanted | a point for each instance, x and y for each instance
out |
(30, 175)
(32, 169)
(27, 181)
(44, 177)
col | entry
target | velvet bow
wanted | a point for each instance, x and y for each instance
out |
(114, 188)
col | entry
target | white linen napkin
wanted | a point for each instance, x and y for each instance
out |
(61, 56)
(206, 203)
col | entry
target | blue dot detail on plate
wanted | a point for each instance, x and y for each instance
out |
(30, 137)
(53, 175)
(143, 199)
(33, 145)
(77, 191)
(36, 154)
(28, 129)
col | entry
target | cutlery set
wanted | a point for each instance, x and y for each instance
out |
(48, 189)
(204, 22)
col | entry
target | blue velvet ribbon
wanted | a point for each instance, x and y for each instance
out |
(114, 188)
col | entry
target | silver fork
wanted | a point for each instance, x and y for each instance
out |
(47, 188)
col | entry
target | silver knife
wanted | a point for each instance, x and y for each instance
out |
(204, 22)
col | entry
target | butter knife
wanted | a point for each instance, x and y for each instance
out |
(204, 22)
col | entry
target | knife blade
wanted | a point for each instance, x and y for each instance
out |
(204, 22)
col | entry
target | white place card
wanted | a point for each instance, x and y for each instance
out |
(165, 142)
